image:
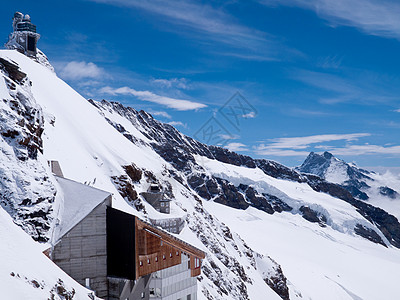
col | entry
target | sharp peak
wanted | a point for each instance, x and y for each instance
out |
(326, 155)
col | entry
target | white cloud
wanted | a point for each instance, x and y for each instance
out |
(76, 70)
(237, 147)
(161, 114)
(249, 115)
(305, 141)
(229, 136)
(177, 123)
(374, 17)
(397, 110)
(366, 150)
(178, 104)
(300, 146)
(180, 83)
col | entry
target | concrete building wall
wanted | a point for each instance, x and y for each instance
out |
(174, 283)
(173, 225)
(82, 252)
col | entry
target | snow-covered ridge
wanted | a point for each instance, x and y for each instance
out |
(381, 190)
(270, 232)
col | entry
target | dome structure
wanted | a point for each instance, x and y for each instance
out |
(24, 36)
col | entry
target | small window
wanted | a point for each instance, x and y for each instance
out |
(141, 263)
(163, 257)
(148, 260)
(177, 253)
(196, 263)
(170, 254)
(142, 295)
(156, 258)
(162, 204)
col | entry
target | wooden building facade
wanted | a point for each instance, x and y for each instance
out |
(116, 254)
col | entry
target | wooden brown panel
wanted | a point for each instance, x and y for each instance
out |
(168, 238)
(158, 250)
(165, 258)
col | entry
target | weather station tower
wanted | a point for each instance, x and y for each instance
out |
(24, 36)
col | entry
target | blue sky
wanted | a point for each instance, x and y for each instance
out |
(271, 79)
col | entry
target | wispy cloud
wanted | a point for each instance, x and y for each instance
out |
(301, 146)
(237, 147)
(374, 17)
(205, 22)
(180, 83)
(366, 150)
(397, 110)
(305, 141)
(350, 86)
(291, 146)
(177, 123)
(307, 112)
(76, 70)
(178, 104)
(161, 114)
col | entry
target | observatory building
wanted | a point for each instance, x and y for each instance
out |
(24, 36)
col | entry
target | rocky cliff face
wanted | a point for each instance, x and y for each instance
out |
(26, 191)
(180, 151)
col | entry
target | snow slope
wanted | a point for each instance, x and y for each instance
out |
(25, 272)
(251, 253)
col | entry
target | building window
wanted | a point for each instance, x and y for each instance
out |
(162, 204)
(156, 258)
(177, 253)
(196, 263)
(189, 297)
(142, 295)
(148, 260)
(141, 263)
(170, 255)
(163, 257)
(152, 292)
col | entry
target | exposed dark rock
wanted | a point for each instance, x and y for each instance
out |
(125, 188)
(388, 192)
(369, 234)
(133, 172)
(232, 158)
(258, 201)
(59, 290)
(355, 192)
(278, 283)
(12, 70)
(313, 216)
(277, 204)
(230, 195)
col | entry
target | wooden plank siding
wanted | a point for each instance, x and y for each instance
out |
(157, 250)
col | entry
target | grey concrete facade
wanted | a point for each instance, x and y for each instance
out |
(174, 283)
(82, 252)
(155, 197)
(173, 225)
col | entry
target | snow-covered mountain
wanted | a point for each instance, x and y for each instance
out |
(381, 190)
(270, 232)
